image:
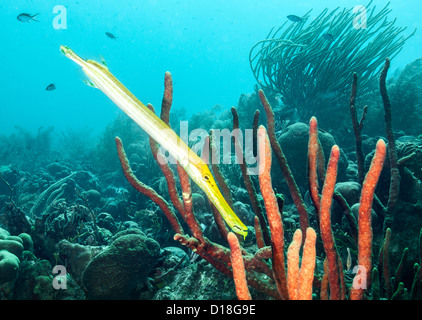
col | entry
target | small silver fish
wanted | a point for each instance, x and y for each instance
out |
(294, 18)
(51, 87)
(26, 17)
(110, 35)
(349, 260)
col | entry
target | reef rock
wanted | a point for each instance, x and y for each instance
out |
(244, 212)
(294, 143)
(77, 257)
(115, 272)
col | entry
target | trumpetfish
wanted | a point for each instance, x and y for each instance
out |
(157, 129)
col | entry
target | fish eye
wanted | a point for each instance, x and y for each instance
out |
(206, 177)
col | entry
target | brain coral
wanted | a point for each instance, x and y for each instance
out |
(11, 249)
(9, 266)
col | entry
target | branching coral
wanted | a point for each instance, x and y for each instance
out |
(309, 63)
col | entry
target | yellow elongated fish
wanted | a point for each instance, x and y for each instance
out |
(195, 167)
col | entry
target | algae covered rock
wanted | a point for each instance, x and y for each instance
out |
(350, 191)
(197, 281)
(9, 266)
(106, 221)
(244, 212)
(115, 272)
(93, 197)
(77, 256)
(294, 143)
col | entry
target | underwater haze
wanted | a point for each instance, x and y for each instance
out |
(204, 44)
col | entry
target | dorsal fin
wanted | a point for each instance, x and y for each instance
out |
(103, 61)
(99, 65)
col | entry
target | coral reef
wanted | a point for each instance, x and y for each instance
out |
(275, 284)
(117, 243)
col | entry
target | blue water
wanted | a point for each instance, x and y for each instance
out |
(204, 44)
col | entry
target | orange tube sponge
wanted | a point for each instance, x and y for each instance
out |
(364, 222)
(284, 166)
(273, 213)
(313, 147)
(239, 273)
(306, 273)
(258, 233)
(325, 223)
(324, 282)
(189, 217)
(299, 281)
(293, 265)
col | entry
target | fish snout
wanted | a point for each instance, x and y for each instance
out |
(66, 50)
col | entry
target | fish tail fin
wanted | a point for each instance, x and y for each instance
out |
(33, 17)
